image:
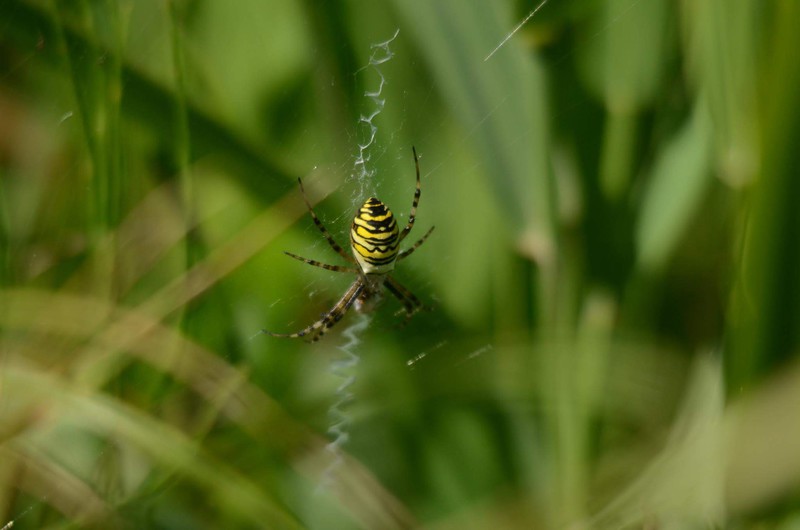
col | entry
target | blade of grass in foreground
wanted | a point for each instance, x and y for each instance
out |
(765, 315)
(162, 443)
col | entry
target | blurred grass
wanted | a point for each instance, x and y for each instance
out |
(614, 274)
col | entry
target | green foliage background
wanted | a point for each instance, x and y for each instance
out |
(614, 279)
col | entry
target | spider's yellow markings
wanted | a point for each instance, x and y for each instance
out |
(383, 236)
(374, 237)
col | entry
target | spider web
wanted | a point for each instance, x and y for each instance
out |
(381, 53)
(344, 368)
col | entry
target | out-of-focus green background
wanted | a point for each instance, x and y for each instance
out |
(613, 283)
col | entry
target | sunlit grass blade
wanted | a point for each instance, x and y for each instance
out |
(674, 192)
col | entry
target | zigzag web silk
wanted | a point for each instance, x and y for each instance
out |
(381, 53)
(344, 367)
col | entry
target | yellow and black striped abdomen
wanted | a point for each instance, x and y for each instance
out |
(374, 237)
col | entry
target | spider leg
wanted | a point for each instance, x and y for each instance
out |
(413, 214)
(332, 242)
(318, 328)
(407, 252)
(411, 303)
(335, 268)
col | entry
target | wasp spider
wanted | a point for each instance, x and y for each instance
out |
(374, 242)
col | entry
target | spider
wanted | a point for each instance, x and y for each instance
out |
(374, 241)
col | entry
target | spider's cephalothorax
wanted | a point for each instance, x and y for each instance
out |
(374, 241)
